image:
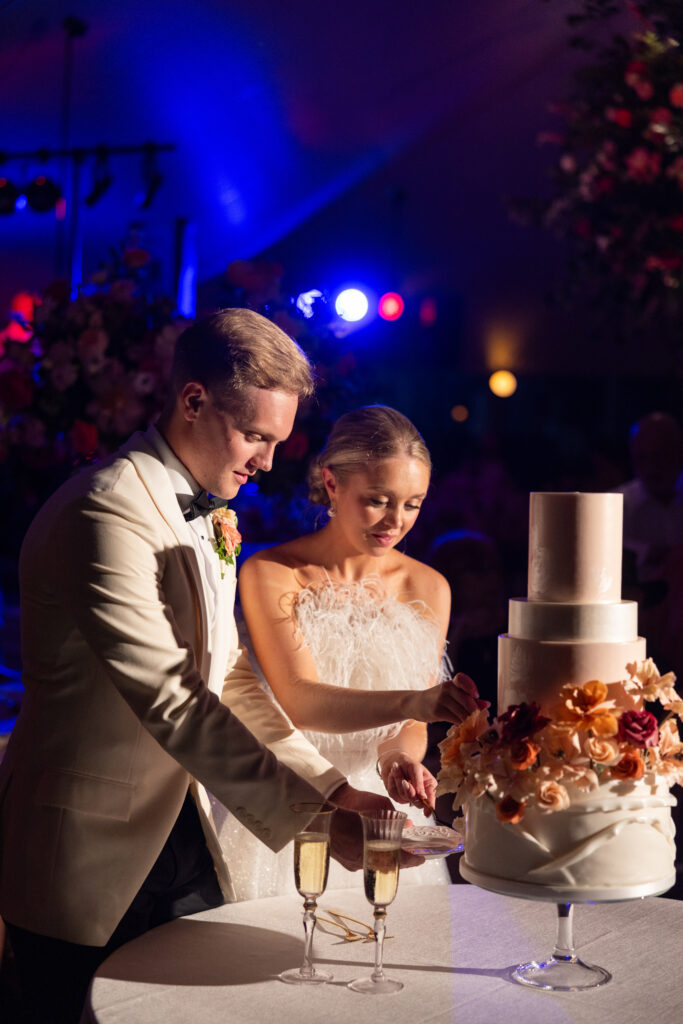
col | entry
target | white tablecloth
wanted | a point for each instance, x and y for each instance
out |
(452, 948)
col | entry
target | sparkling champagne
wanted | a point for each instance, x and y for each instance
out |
(380, 870)
(311, 862)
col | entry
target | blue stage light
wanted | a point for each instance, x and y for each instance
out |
(351, 304)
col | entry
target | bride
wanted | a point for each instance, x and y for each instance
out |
(349, 633)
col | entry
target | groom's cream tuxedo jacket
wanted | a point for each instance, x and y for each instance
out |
(117, 721)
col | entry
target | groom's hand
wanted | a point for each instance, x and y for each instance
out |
(359, 800)
(346, 840)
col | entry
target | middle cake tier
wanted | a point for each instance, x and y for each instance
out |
(534, 670)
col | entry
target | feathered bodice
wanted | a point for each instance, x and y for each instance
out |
(360, 638)
(363, 639)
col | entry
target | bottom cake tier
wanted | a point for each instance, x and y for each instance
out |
(614, 843)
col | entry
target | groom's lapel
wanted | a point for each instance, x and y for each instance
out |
(156, 481)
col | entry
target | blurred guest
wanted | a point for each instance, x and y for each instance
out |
(653, 501)
(653, 536)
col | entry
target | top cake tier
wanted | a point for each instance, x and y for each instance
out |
(575, 547)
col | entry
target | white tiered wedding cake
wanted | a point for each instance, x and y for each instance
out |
(566, 793)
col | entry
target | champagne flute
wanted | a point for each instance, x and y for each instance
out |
(381, 858)
(311, 864)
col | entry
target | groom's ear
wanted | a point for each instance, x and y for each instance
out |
(192, 397)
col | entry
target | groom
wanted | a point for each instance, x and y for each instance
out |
(135, 680)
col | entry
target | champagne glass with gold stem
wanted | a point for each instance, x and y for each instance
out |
(311, 864)
(381, 858)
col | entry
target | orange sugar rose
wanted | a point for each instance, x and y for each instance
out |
(510, 810)
(523, 754)
(631, 766)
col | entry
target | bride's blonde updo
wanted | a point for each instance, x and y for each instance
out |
(359, 438)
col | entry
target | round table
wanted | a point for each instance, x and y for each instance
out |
(452, 947)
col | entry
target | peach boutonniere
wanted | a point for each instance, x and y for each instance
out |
(227, 537)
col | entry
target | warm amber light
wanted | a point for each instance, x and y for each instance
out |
(459, 413)
(503, 383)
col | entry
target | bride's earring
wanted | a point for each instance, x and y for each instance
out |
(331, 511)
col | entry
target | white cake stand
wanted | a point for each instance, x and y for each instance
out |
(563, 970)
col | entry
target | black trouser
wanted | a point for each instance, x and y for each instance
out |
(54, 975)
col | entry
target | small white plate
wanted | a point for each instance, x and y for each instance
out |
(431, 840)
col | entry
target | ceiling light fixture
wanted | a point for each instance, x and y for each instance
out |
(101, 177)
(9, 194)
(151, 176)
(42, 194)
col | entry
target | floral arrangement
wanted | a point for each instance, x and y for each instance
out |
(78, 377)
(527, 759)
(227, 537)
(618, 175)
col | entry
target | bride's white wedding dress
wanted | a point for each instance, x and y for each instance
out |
(359, 638)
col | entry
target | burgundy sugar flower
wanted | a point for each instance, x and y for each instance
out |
(520, 722)
(639, 728)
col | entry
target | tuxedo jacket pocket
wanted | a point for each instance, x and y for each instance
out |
(88, 794)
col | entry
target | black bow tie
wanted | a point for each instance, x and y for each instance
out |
(202, 504)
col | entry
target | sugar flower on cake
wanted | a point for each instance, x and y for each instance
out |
(594, 733)
(646, 682)
(587, 707)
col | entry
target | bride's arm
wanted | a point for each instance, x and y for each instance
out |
(266, 591)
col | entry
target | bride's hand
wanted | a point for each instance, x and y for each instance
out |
(407, 781)
(451, 701)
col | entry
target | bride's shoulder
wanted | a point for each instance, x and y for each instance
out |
(420, 575)
(420, 582)
(285, 562)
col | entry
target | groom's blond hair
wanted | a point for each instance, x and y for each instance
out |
(234, 349)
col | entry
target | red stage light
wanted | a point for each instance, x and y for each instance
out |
(390, 306)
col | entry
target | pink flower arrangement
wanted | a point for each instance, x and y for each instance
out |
(593, 734)
(628, 106)
(82, 376)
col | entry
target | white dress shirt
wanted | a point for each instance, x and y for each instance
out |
(219, 588)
